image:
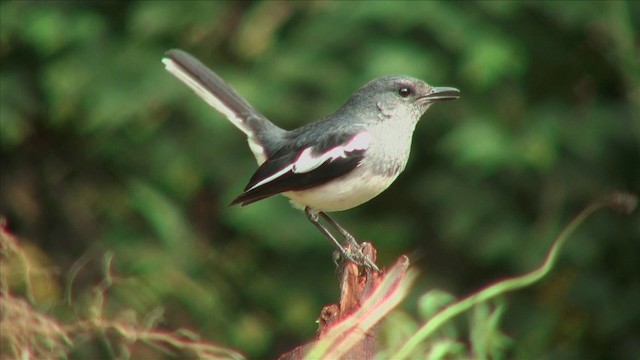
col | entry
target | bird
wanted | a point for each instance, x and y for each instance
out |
(333, 164)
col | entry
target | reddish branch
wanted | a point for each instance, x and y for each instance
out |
(348, 329)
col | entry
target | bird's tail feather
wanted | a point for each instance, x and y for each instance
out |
(262, 134)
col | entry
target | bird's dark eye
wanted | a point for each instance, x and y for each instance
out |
(404, 91)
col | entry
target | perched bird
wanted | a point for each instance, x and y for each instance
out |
(332, 164)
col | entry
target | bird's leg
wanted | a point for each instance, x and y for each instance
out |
(351, 239)
(359, 257)
(315, 220)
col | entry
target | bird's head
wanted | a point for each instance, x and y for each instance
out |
(394, 97)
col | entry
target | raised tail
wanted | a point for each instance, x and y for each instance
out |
(263, 136)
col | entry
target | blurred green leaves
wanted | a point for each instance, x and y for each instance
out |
(102, 150)
(482, 144)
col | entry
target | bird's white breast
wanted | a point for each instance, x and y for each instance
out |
(351, 190)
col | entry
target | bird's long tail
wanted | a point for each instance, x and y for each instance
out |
(263, 136)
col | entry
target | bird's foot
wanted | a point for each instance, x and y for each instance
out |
(355, 253)
(351, 251)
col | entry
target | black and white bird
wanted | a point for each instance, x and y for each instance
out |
(333, 164)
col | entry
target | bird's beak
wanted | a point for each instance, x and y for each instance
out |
(441, 94)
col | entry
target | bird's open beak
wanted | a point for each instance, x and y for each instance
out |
(442, 94)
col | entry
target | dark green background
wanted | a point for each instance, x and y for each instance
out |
(102, 150)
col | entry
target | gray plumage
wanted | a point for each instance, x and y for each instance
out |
(333, 164)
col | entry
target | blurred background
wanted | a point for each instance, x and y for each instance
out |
(103, 152)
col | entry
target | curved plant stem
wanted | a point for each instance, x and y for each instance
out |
(511, 284)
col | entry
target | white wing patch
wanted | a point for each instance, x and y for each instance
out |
(177, 71)
(307, 161)
(271, 178)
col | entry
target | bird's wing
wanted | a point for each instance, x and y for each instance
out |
(306, 165)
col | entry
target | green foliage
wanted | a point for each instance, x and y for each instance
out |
(103, 151)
